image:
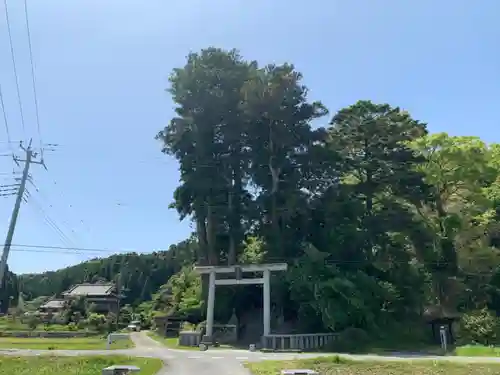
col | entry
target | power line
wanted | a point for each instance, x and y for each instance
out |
(43, 198)
(48, 221)
(14, 67)
(84, 249)
(55, 249)
(33, 76)
(6, 123)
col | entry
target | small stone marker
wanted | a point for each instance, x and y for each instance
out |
(299, 372)
(120, 370)
(251, 347)
(203, 347)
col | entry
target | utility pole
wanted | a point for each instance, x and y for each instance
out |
(30, 154)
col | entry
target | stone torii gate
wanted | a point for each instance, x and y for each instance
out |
(238, 271)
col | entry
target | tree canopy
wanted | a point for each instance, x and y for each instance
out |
(376, 216)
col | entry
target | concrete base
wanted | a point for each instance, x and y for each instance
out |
(189, 338)
(208, 340)
(299, 372)
(120, 370)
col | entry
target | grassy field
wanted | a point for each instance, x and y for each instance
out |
(170, 342)
(173, 343)
(335, 366)
(49, 365)
(478, 351)
(75, 343)
(8, 325)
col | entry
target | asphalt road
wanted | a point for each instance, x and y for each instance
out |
(221, 361)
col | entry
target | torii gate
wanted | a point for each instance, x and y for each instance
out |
(238, 270)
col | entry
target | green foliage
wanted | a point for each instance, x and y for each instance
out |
(253, 251)
(111, 323)
(181, 296)
(142, 274)
(350, 340)
(125, 316)
(480, 326)
(33, 321)
(97, 322)
(9, 291)
(377, 218)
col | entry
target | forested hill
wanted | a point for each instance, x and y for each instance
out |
(138, 275)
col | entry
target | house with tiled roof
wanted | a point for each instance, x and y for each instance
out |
(103, 296)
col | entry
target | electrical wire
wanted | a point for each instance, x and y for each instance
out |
(62, 196)
(56, 249)
(43, 197)
(6, 123)
(7, 19)
(50, 223)
(35, 96)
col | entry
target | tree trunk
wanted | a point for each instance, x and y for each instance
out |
(235, 209)
(213, 259)
(275, 174)
(231, 255)
(201, 231)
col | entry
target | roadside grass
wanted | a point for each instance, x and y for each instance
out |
(170, 342)
(478, 351)
(173, 343)
(73, 343)
(7, 325)
(336, 366)
(51, 365)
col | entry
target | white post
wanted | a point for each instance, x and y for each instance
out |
(267, 302)
(210, 305)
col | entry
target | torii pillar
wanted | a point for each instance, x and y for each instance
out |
(238, 270)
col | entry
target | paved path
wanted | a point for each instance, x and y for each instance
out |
(221, 361)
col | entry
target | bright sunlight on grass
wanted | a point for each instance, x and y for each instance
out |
(478, 351)
(50, 365)
(74, 343)
(170, 342)
(336, 366)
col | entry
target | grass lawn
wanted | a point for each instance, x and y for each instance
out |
(173, 342)
(9, 325)
(478, 351)
(170, 342)
(335, 366)
(74, 343)
(50, 365)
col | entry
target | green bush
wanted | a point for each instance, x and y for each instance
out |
(33, 322)
(350, 340)
(97, 322)
(480, 326)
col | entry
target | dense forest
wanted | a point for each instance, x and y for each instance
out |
(377, 217)
(138, 276)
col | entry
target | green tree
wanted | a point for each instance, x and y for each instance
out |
(458, 170)
(97, 322)
(379, 166)
(33, 321)
(280, 138)
(208, 140)
(125, 316)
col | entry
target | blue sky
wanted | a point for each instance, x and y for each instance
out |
(102, 67)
